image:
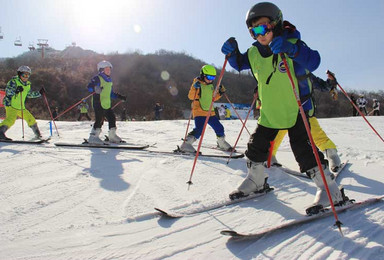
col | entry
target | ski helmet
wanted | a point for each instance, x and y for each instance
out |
(103, 64)
(208, 70)
(266, 9)
(24, 69)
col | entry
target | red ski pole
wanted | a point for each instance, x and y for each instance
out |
(50, 113)
(315, 152)
(237, 114)
(242, 128)
(68, 109)
(357, 109)
(206, 121)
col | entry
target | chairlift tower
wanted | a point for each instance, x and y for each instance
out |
(1, 35)
(43, 43)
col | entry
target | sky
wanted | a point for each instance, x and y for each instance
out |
(347, 33)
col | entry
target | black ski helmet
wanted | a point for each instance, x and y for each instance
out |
(266, 9)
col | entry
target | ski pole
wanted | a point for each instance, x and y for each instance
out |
(118, 103)
(190, 117)
(358, 110)
(237, 114)
(242, 128)
(206, 121)
(68, 109)
(315, 152)
(50, 112)
(22, 114)
(272, 144)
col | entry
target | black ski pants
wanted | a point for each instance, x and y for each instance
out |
(259, 144)
(101, 113)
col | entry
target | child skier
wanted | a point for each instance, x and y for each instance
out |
(16, 91)
(101, 84)
(201, 93)
(279, 108)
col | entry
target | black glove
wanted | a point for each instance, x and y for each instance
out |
(124, 98)
(42, 91)
(19, 89)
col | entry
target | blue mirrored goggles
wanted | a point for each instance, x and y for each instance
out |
(210, 77)
(262, 30)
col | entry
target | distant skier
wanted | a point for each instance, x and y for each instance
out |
(376, 107)
(101, 84)
(201, 93)
(158, 109)
(83, 110)
(353, 99)
(16, 91)
(362, 102)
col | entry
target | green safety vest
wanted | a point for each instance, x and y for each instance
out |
(105, 95)
(16, 101)
(206, 94)
(279, 108)
(83, 109)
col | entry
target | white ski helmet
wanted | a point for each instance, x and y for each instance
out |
(24, 68)
(103, 64)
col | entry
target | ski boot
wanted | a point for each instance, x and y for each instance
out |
(4, 129)
(36, 131)
(255, 182)
(333, 159)
(94, 136)
(113, 137)
(186, 146)
(223, 145)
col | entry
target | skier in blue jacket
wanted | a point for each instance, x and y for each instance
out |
(279, 109)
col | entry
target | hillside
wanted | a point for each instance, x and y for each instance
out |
(163, 77)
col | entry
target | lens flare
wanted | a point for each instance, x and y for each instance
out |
(164, 75)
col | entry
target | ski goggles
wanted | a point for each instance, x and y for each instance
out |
(210, 77)
(25, 75)
(261, 29)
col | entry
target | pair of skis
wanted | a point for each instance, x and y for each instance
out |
(126, 146)
(37, 141)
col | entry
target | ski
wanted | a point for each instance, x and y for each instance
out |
(303, 175)
(178, 152)
(305, 219)
(106, 146)
(38, 141)
(220, 204)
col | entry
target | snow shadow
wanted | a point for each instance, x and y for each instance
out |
(106, 167)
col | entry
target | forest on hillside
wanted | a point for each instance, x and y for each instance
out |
(163, 77)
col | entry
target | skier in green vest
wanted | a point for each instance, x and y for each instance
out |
(16, 91)
(101, 84)
(279, 108)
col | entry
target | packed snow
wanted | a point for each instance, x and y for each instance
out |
(91, 203)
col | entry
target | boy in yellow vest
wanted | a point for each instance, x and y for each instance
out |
(16, 91)
(201, 93)
(101, 84)
(279, 108)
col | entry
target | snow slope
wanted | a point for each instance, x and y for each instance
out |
(75, 203)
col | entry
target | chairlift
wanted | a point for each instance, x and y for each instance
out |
(18, 42)
(1, 35)
(31, 47)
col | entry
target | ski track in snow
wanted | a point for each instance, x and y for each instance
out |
(75, 203)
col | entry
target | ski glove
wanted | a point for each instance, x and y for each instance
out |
(19, 89)
(42, 91)
(222, 90)
(98, 89)
(230, 47)
(124, 98)
(334, 94)
(197, 85)
(280, 44)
